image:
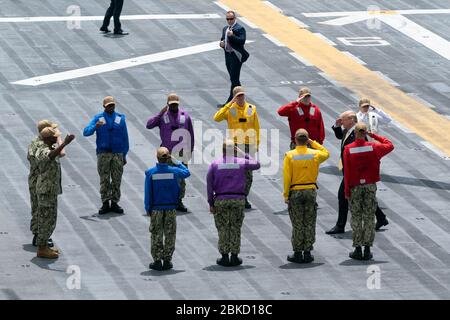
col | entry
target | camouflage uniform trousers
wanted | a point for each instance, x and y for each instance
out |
(182, 182)
(46, 220)
(163, 229)
(34, 204)
(363, 204)
(303, 213)
(110, 170)
(228, 217)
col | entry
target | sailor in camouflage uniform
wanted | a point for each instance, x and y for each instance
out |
(48, 186)
(33, 175)
(300, 170)
(161, 198)
(226, 187)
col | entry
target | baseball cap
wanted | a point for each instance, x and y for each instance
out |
(108, 100)
(44, 124)
(301, 133)
(304, 92)
(364, 102)
(50, 132)
(173, 98)
(238, 91)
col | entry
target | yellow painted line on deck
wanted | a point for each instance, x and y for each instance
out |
(407, 111)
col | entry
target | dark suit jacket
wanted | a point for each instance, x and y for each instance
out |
(237, 40)
(338, 132)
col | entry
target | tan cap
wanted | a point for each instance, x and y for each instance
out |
(44, 124)
(108, 100)
(360, 126)
(238, 91)
(304, 92)
(173, 98)
(163, 153)
(50, 132)
(364, 102)
(301, 133)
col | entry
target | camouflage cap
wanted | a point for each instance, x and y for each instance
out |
(50, 132)
(44, 124)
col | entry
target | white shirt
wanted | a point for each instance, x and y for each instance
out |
(373, 118)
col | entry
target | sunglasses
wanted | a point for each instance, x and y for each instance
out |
(229, 19)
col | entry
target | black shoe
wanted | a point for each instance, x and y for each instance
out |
(167, 265)
(105, 29)
(157, 265)
(357, 254)
(34, 242)
(224, 261)
(105, 208)
(308, 257)
(181, 207)
(381, 223)
(235, 260)
(116, 208)
(50, 243)
(367, 254)
(297, 257)
(247, 204)
(335, 230)
(121, 32)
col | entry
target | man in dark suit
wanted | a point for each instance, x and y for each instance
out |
(114, 10)
(348, 120)
(232, 42)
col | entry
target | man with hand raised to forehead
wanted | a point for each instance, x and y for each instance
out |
(48, 187)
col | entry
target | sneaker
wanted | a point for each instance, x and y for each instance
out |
(116, 208)
(121, 32)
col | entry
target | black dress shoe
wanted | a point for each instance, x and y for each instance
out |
(381, 223)
(157, 265)
(308, 257)
(181, 207)
(121, 32)
(50, 243)
(297, 257)
(105, 208)
(247, 204)
(235, 260)
(105, 29)
(224, 261)
(34, 242)
(167, 265)
(335, 230)
(367, 254)
(357, 254)
(116, 208)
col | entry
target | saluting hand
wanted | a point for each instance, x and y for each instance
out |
(163, 110)
(338, 122)
(69, 138)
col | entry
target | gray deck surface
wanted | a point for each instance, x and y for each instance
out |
(113, 252)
